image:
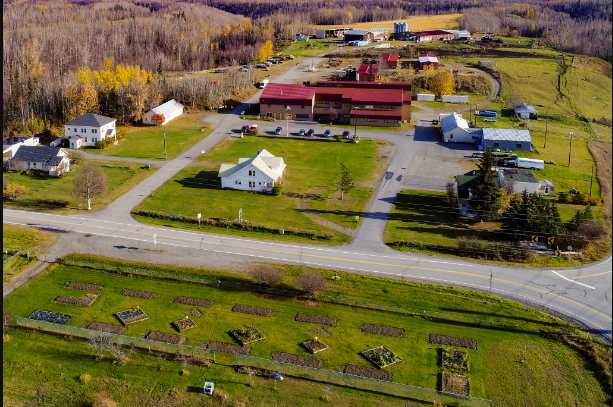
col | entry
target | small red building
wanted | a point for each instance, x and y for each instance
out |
(389, 60)
(367, 72)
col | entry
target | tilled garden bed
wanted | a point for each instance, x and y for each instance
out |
(367, 372)
(89, 287)
(110, 328)
(315, 319)
(248, 309)
(314, 346)
(308, 361)
(147, 295)
(380, 356)
(201, 302)
(383, 330)
(224, 347)
(452, 341)
(454, 360)
(86, 300)
(183, 324)
(165, 337)
(246, 335)
(454, 383)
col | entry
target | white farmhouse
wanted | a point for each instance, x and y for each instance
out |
(12, 144)
(259, 173)
(456, 129)
(51, 160)
(167, 111)
(88, 129)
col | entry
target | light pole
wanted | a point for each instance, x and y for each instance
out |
(287, 114)
(570, 145)
(546, 131)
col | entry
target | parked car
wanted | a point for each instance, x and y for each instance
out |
(245, 68)
(489, 119)
(278, 376)
(346, 134)
(278, 130)
(310, 132)
(301, 132)
(249, 128)
(327, 133)
(208, 388)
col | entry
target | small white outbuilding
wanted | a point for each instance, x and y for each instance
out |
(168, 111)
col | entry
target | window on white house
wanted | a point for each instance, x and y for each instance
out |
(252, 173)
(94, 131)
(86, 139)
(83, 130)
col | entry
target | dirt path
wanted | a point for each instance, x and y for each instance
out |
(601, 151)
(302, 205)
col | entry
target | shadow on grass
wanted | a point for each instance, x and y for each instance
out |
(205, 179)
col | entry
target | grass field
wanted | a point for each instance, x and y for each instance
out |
(148, 141)
(587, 84)
(312, 170)
(120, 177)
(311, 48)
(415, 23)
(23, 240)
(504, 330)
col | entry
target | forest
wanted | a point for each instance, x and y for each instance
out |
(48, 45)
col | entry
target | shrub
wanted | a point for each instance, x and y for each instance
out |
(12, 191)
(85, 378)
(6, 338)
(276, 190)
(562, 197)
(311, 282)
(266, 275)
(184, 372)
(100, 144)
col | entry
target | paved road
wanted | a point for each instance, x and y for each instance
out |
(583, 295)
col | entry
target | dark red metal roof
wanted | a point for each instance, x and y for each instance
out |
(373, 84)
(286, 93)
(431, 32)
(289, 93)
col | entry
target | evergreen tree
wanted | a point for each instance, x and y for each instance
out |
(345, 181)
(486, 194)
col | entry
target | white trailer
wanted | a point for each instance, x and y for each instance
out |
(426, 97)
(529, 163)
(455, 99)
(263, 83)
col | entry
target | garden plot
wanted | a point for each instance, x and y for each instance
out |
(147, 295)
(314, 345)
(160, 336)
(104, 327)
(184, 324)
(131, 316)
(246, 335)
(454, 383)
(50, 316)
(367, 372)
(86, 300)
(224, 347)
(383, 330)
(454, 360)
(452, 341)
(308, 361)
(315, 319)
(380, 356)
(194, 313)
(248, 309)
(89, 287)
(201, 302)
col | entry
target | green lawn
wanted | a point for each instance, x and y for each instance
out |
(504, 330)
(23, 240)
(42, 192)
(311, 48)
(587, 84)
(148, 141)
(309, 185)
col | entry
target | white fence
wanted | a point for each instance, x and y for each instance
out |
(455, 99)
(426, 97)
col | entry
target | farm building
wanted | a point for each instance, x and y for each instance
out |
(11, 145)
(455, 129)
(88, 129)
(517, 180)
(47, 159)
(331, 33)
(163, 113)
(388, 60)
(367, 72)
(525, 111)
(338, 102)
(358, 35)
(432, 35)
(426, 61)
(506, 139)
(259, 173)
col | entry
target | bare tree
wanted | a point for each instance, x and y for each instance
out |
(311, 282)
(267, 275)
(89, 184)
(345, 180)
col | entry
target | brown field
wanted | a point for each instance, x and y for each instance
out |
(602, 154)
(416, 23)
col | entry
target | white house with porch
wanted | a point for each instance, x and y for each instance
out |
(88, 129)
(259, 173)
(165, 112)
(51, 160)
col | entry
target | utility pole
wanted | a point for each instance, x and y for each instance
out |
(355, 129)
(491, 280)
(546, 131)
(165, 152)
(570, 145)
(591, 179)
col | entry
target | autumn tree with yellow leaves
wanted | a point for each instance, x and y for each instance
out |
(441, 83)
(265, 51)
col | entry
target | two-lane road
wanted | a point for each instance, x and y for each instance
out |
(583, 295)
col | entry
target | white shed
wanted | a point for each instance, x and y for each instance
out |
(167, 111)
(259, 173)
(426, 97)
(455, 129)
(455, 98)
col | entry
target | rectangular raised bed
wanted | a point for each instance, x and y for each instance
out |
(183, 324)
(110, 328)
(315, 319)
(367, 372)
(454, 383)
(201, 302)
(246, 335)
(50, 316)
(452, 341)
(383, 330)
(249, 309)
(86, 300)
(454, 360)
(147, 295)
(77, 285)
(308, 361)
(165, 337)
(380, 356)
(224, 347)
(314, 346)
(131, 316)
